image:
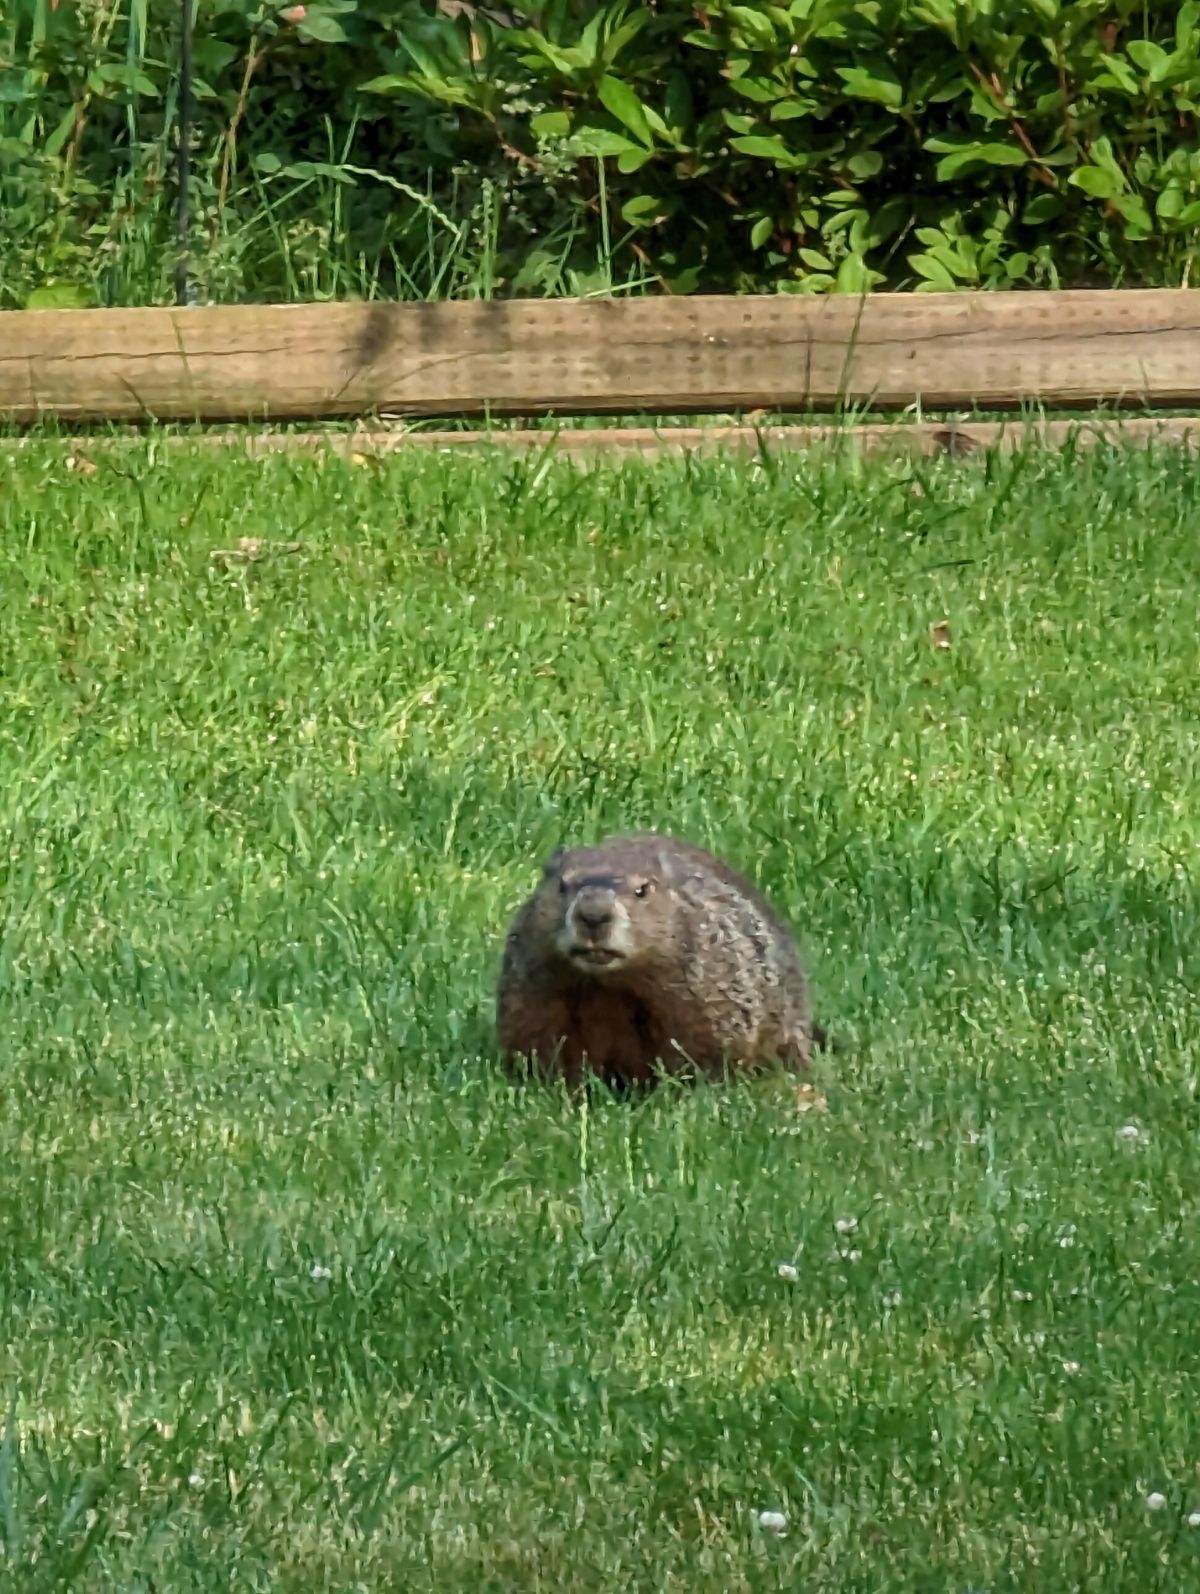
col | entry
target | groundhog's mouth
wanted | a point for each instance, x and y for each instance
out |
(595, 957)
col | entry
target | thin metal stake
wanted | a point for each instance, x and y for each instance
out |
(183, 163)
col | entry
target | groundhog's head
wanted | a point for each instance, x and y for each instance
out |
(614, 905)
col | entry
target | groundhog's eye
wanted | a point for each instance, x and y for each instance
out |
(643, 890)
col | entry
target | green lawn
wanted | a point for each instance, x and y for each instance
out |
(296, 1293)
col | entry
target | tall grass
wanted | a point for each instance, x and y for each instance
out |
(89, 195)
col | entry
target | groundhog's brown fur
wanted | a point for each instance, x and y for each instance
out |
(648, 953)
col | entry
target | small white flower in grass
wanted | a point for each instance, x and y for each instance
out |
(846, 1225)
(1129, 1132)
(788, 1273)
(772, 1521)
(1022, 1295)
(893, 1299)
(1070, 1368)
(196, 1481)
(318, 1272)
(1155, 1501)
(1194, 1520)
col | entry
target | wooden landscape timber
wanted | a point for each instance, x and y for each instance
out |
(901, 437)
(1078, 349)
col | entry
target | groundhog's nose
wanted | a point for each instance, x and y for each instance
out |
(593, 912)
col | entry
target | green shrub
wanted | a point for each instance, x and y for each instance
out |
(403, 146)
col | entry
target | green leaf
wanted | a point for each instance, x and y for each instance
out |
(1041, 209)
(551, 124)
(322, 28)
(1152, 58)
(761, 90)
(960, 152)
(641, 210)
(972, 154)
(59, 296)
(868, 164)
(125, 76)
(58, 138)
(1138, 224)
(933, 271)
(791, 110)
(1170, 202)
(754, 27)
(815, 259)
(388, 83)
(810, 284)
(765, 147)
(600, 141)
(620, 37)
(887, 220)
(1186, 19)
(213, 56)
(620, 100)
(589, 39)
(877, 83)
(958, 257)
(762, 229)
(1098, 181)
(858, 236)
(1119, 75)
(539, 271)
(655, 123)
(632, 160)
(1102, 154)
(853, 276)
(304, 171)
(843, 220)
(565, 62)
(941, 13)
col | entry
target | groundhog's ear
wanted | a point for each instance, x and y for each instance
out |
(554, 862)
(667, 865)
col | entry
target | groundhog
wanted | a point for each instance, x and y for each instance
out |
(648, 955)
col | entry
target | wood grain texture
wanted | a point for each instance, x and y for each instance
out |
(661, 355)
(957, 439)
(929, 438)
